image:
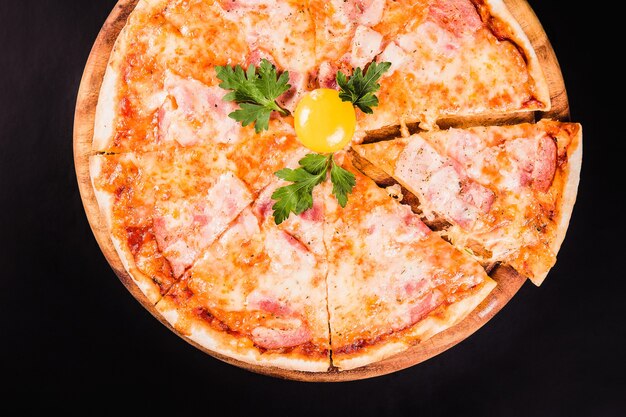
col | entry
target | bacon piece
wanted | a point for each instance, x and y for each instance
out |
(314, 214)
(277, 338)
(257, 300)
(184, 228)
(194, 113)
(545, 164)
(307, 227)
(533, 163)
(464, 146)
(366, 44)
(417, 226)
(425, 306)
(284, 329)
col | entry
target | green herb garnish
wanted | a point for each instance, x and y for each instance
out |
(298, 197)
(256, 91)
(360, 89)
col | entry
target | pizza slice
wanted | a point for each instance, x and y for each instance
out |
(258, 295)
(449, 58)
(392, 283)
(162, 40)
(164, 209)
(505, 193)
(161, 88)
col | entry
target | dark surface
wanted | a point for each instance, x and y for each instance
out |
(70, 330)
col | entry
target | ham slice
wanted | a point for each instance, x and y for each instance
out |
(365, 12)
(521, 163)
(243, 5)
(284, 328)
(445, 188)
(532, 163)
(544, 167)
(448, 24)
(299, 83)
(424, 306)
(458, 17)
(307, 228)
(327, 75)
(194, 113)
(184, 228)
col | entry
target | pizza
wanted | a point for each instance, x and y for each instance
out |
(280, 181)
(450, 58)
(504, 193)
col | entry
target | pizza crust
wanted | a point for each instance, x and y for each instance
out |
(568, 197)
(105, 202)
(499, 10)
(423, 331)
(107, 108)
(198, 332)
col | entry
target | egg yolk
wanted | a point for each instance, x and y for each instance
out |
(324, 123)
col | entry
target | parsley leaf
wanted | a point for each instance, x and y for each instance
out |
(298, 197)
(343, 184)
(255, 90)
(360, 88)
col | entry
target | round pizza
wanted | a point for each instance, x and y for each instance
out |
(322, 184)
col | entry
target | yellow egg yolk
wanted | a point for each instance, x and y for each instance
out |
(323, 122)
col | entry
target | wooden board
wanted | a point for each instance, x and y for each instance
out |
(509, 282)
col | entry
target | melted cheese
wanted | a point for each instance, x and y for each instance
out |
(387, 271)
(517, 163)
(262, 285)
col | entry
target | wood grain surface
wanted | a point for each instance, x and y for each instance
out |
(509, 282)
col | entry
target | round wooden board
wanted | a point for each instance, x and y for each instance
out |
(509, 282)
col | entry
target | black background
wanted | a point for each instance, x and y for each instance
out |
(70, 331)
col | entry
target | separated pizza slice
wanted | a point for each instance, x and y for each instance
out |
(161, 88)
(258, 295)
(392, 283)
(164, 209)
(506, 193)
(449, 58)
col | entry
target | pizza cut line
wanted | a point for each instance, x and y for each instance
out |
(187, 193)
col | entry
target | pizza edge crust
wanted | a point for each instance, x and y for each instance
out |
(106, 108)
(424, 330)
(201, 334)
(568, 196)
(499, 10)
(133, 275)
